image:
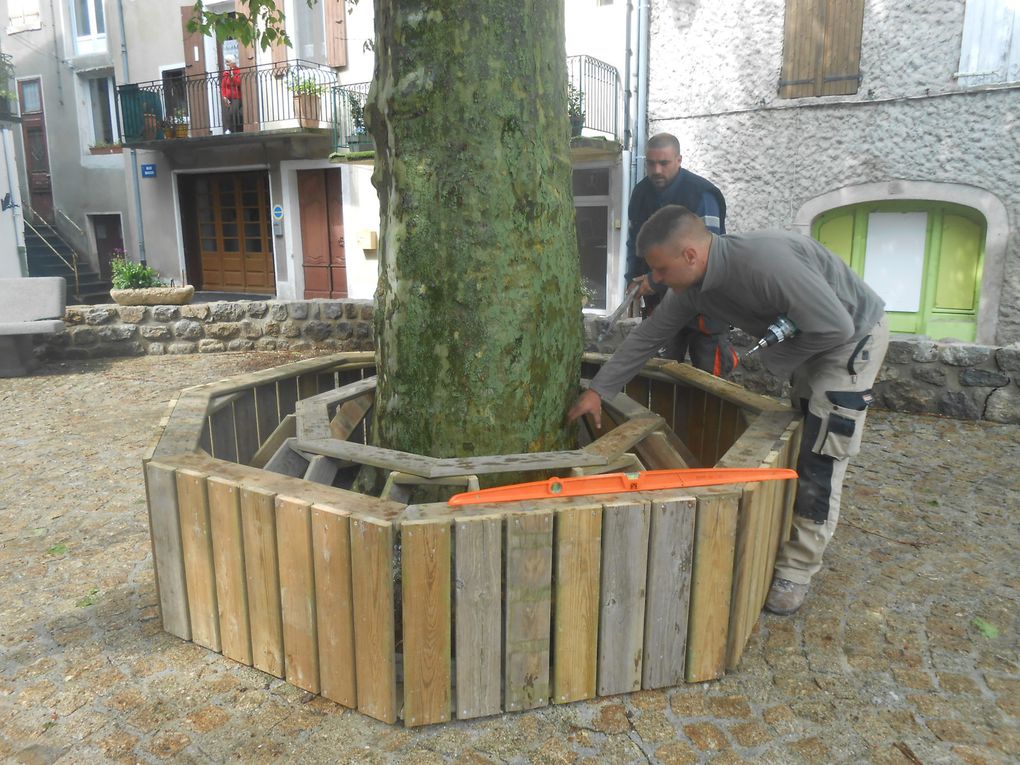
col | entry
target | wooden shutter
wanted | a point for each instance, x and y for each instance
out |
(990, 50)
(821, 48)
(336, 33)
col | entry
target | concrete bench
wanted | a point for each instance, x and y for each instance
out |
(30, 306)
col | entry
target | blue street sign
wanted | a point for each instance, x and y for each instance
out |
(149, 171)
(277, 212)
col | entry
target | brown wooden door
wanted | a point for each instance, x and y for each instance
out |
(234, 241)
(109, 239)
(322, 233)
(37, 157)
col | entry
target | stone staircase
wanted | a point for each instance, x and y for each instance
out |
(42, 245)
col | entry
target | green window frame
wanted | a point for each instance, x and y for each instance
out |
(954, 250)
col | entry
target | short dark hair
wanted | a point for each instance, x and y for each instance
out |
(664, 141)
(665, 223)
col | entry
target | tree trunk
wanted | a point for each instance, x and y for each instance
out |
(478, 309)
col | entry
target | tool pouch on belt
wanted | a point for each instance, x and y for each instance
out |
(843, 424)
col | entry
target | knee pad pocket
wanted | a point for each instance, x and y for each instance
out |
(842, 428)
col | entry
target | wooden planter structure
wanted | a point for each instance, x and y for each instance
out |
(501, 607)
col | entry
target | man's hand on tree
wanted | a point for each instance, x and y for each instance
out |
(588, 402)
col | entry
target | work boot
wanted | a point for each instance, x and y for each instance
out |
(785, 597)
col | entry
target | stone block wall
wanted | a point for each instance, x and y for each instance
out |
(114, 330)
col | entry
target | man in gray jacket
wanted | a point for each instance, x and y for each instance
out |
(842, 334)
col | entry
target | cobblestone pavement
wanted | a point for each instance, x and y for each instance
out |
(906, 651)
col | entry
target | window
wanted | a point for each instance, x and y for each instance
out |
(591, 207)
(89, 24)
(23, 15)
(320, 33)
(990, 52)
(821, 48)
(100, 103)
(923, 258)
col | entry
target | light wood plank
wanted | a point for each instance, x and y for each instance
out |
(167, 552)
(228, 560)
(578, 536)
(425, 559)
(287, 461)
(375, 654)
(528, 609)
(246, 427)
(625, 529)
(297, 592)
(196, 539)
(285, 430)
(321, 470)
(349, 415)
(743, 613)
(331, 543)
(262, 574)
(479, 615)
(623, 437)
(224, 440)
(658, 453)
(711, 584)
(668, 588)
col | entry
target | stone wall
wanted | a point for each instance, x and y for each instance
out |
(113, 330)
(966, 381)
(970, 382)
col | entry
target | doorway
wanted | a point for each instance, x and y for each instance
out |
(227, 241)
(37, 158)
(109, 241)
(322, 233)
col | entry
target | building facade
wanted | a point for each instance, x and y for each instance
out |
(889, 131)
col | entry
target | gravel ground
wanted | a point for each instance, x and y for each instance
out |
(906, 651)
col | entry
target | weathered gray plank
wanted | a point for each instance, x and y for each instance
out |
(668, 593)
(623, 437)
(625, 529)
(271, 445)
(168, 557)
(246, 427)
(286, 461)
(321, 470)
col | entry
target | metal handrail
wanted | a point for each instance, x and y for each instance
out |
(73, 265)
(599, 83)
(346, 100)
(72, 224)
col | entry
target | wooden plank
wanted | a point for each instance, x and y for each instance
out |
(578, 533)
(623, 437)
(696, 425)
(742, 612)
(715, 532)
(205, 437)
(267, 413)
(199, 573)
(726, 390)
(710, 449)
(287, 396)
(625, 530)
(246, 427)
(186, 426)
(425, 559)
(658, 453)
(312, 419)
(297, 592)
(287, 461)
(224, 440)
(331, 546)
(262, 575)
(729, 418)
(349, 416)
(528, 578)
(308, 385)
(668, 593)
(228, 562)
(271, 445)
(662, 397)
(321, 470)
(326, 381)
(375, 653)
(167, 552)
(637, 390)
(757, 440)
(430, 467)
(479, 614)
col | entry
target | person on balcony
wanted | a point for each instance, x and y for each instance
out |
(230, 89)
(666, 183)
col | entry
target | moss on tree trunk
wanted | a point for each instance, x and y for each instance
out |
(478, 314)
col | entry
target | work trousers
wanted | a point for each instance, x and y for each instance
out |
(834, 392)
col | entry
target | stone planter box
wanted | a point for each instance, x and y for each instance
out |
(423, 612)
(154, 296)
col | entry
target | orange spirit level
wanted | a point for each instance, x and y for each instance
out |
(614, 483)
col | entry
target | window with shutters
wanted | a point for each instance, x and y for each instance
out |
(821, 48)
(990, 51)
(23, 15)
(88, 19)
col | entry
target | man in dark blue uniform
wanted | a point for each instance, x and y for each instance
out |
(666, 183)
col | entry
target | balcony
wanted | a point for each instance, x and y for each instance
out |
(301, 96)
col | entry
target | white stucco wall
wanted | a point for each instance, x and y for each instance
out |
(10, 220)
(714, 77)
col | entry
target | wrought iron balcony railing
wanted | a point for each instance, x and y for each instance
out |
(299, 93)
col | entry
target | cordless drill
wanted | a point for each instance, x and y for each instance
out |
(778, 331)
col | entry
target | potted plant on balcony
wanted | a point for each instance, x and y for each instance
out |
(359, 140)
(137, 284)
(307, 106)
(101, 147)
(575, 110)
(179, 123)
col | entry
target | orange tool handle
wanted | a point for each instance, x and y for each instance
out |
(613, 483)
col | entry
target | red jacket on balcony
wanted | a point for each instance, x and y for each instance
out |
(230, 82)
